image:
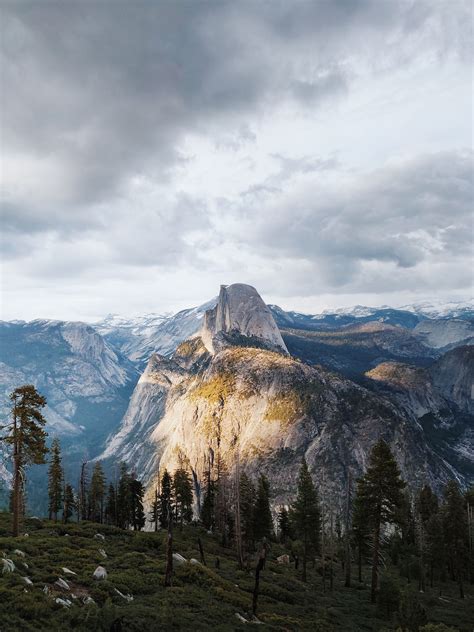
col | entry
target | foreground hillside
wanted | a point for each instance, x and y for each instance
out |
(201, 598)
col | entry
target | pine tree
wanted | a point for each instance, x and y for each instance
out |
(26, 435)
(427, 503)
(455, 531)
(111, 506)
(69, 503)
(124, 499)
(263, 521)
(306, 515)
(183, 496)
(155, 510)
(83, 487)
(360, 533)
(379, 496)
(137, 515)
(55, 481)
(97, 494)
(283, 524)
(166, 500)
(208, 510)
(247, 509)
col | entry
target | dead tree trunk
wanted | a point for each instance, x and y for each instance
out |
(169, 552)
(347, 537)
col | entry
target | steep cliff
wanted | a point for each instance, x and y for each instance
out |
(241, 317)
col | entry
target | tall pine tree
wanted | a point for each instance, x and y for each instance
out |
(137, 516)
(166, 500)
(183, 496)
(247, 511)
(306, 515)
(55, 481)
(26, 436)
(69, 504)
(124, 498)
(97, 494)
(379, 497)
(456, 535)
(263, 521)
(111, 506)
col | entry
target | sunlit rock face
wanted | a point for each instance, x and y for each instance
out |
(242, 317)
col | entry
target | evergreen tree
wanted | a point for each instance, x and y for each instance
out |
(124, 498)
(111, 506)
(83, 487)
(97, 494)
(55, 481)
(455, 532)
(306, 515)
(26, 436)
(283, 524)
(435, 552)
(183, 496)
(379, 496)
(263, 522)
(155, 510)
(427, 503)
(137, 515)
(360, 534)
(247, 510)
(69, 505)
(208, 510)
(166, 500)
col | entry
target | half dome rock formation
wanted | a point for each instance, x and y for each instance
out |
(241, 318)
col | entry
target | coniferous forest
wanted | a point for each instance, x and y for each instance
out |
(383, 557)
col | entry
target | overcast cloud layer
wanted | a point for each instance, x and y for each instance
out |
(319, 150)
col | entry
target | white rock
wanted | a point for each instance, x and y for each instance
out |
(127, 597)
(99, 573)
(62, 584)
(46, 590)
(102, 552)
(87, 601)
(28, 581)
(178, 558)
(241, 618)
(67, 571)
(66, 603)
(99, 536)
(18, 552)
(194, 561)
(25, 565)
(8, 565)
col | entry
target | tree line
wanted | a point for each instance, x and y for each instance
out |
(429, 538)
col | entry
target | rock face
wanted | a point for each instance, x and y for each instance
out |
(453, 376)
(86, 382)
(242, 316)
(446, 333)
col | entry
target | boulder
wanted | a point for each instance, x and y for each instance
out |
(283, 559)
(62, 584)
(8, 565)
(179, 559)
(99, 573)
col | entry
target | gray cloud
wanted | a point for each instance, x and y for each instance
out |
(407, 214)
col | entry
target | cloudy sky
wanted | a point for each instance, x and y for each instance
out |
(150, 151)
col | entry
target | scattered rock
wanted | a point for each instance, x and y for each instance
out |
(241, 618)
(67, 571)
(18, 552)
(46, 590)
(25, 565)
(62, 584)
(283, 559)
(99, 536)
(127, 597)
(8, 565)
(27, 581)
(66, 603)
(102, 552)
(99, 573)
(88, 601)
(178, 558)
(194, 561)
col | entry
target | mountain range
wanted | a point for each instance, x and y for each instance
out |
(235, 375)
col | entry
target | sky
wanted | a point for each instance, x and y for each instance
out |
(320, 150)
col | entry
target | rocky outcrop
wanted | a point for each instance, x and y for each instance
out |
(240, 317)
(453, 376)
(445, 333)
